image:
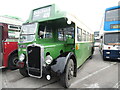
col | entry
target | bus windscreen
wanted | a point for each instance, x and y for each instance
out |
(113, 15)
(112, 38)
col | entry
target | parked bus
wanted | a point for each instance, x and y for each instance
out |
(9, 34)
(110, 43)
(96, 38)
(53, 43)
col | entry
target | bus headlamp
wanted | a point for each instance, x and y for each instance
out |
(107, 52)
(22, 57)
(48, 59)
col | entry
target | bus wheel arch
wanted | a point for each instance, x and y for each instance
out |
(60, 63)
(65, 59)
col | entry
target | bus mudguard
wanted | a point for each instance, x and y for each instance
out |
(59, 64)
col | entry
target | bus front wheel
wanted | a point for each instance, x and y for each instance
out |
(24, 72)
(67, 77)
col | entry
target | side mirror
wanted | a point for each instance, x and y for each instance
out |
(101, 37)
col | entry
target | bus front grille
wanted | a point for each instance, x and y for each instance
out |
(34, 61)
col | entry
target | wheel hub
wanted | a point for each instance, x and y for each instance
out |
(70, 74)
(15, 60)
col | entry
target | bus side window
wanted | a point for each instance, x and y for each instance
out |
(84, 35)
(87, 36)
(79, 34)
(65, 33)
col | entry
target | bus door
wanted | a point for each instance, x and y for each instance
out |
(1, 50)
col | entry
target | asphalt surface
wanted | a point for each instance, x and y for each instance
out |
(94, 73)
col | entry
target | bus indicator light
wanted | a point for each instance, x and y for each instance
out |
(108, 47)
(77, 46)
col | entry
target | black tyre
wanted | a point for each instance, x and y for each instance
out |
(67, 77)
(92, 50)
(91, 57)
(24, 72)
(13, 59)
(105, 59)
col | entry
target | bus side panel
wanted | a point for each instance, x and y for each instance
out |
(83, 52)
(9, 47)
(107, 26)
(1, 51)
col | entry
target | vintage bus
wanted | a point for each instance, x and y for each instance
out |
(53, 43)
(110, 40)
(9, 34)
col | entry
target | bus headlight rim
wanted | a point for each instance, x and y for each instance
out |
(107, 52)
(48, 59)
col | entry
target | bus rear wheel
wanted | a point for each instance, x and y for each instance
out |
(92, 52)
(12, 61)
(67, 77)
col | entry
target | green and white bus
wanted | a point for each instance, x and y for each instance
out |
(53, 43)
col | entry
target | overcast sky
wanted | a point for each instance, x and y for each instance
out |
(91, 12)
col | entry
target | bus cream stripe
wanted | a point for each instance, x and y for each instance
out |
(90, 75)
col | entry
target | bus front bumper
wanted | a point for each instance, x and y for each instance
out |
(111, 54)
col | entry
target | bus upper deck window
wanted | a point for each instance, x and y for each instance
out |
(41, 31)
(45, 32)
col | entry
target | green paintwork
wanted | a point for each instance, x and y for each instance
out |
(55, 14)
(53, 45)
(83, 52)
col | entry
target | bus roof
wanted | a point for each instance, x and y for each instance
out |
(9, 20)
(111, 8)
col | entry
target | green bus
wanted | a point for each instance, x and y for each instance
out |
(53, 43)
